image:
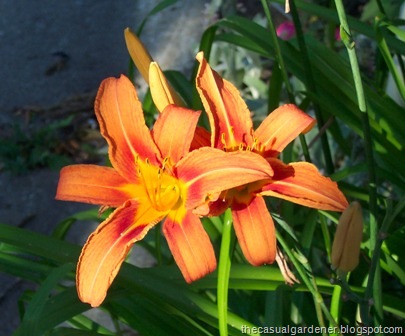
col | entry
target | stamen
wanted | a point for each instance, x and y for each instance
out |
(257, 146)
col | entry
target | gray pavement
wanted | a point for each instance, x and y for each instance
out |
(53, 50)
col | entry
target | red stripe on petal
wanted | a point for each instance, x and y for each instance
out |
(120, 115)
(190, 245)
(255, 231)
(107, 247)
(228, 114)
(201, 138)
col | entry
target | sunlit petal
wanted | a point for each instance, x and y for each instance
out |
(93, 184)
(120, 115)
(174, 130)
(190, 246)
(107, 247)
(229, 116)
(139, 53)
(301, 183)
(255, 231)
(208, 171)
(281, 127)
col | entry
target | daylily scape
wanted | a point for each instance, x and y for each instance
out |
(153, 177)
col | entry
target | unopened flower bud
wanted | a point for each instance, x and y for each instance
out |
(138, 53)
(349, 233)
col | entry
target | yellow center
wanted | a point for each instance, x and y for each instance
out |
(163, 190)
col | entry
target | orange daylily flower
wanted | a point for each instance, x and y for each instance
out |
(154, 176)
(298, 182)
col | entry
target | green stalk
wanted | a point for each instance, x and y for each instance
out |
(374, 280)
(278, 56)
(326, 237)
(224, 268)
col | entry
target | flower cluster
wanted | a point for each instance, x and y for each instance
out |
(177, 172)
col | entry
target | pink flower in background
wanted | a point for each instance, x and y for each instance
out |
(286, 30)
(337, 34)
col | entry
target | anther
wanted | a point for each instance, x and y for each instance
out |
(165, 160)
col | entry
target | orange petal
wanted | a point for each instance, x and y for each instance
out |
(208, 171)
(107, 247)
(162, 92)
(301, 183)
(201, 138)
(190, 245)
(174, 130)
(93, 184)
(228, 114)
(120, 115)
(281, 127)
(139, 53)
(255, 231)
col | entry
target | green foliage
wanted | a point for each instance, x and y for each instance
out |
(25, 150)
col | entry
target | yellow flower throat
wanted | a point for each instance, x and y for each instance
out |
(163, 190)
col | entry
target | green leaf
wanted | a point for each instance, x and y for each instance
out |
(31, 322)
(73, 332)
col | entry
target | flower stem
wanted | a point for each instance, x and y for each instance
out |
(278, 56)
(224, 267)
(375, 272)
